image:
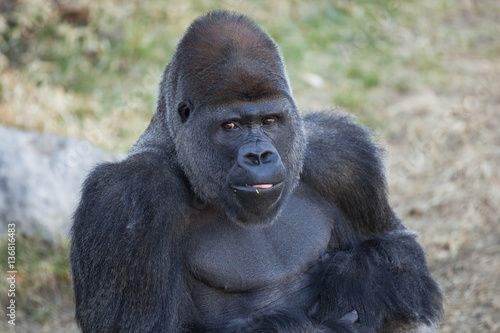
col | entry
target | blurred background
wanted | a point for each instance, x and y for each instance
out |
(425, 75)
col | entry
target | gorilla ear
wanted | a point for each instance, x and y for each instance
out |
(183, 110)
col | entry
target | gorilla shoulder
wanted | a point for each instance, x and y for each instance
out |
(134, 186)
(123, 239)
(345, 166)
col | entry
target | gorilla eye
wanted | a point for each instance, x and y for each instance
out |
(268, 121)
(229, 126)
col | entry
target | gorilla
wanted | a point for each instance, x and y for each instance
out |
(235, 213)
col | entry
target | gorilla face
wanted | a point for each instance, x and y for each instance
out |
(226, 111)
(244, 158)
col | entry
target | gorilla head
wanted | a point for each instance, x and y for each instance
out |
(226, 105)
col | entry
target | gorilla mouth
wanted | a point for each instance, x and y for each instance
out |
(256, 203)
(256, 187)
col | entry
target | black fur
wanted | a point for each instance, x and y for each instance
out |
(139, 252)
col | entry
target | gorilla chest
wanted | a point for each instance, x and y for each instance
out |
(268, 266)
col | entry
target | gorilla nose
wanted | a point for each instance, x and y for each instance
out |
(257, 153)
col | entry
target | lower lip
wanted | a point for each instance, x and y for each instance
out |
(262, 186)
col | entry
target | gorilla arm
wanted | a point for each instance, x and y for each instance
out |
(376, 266)
(124, 263)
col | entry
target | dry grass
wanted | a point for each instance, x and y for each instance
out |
(444, 158)
(427, 74)
(445, 184)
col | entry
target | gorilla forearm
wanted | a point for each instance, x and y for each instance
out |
(385, 278)
(287, 323)
(380, 270)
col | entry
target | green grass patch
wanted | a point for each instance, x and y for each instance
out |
(43, 282)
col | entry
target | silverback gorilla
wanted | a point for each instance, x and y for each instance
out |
(234, 213)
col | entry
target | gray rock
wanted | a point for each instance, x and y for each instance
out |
(40, 180)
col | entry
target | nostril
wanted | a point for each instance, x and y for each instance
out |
(256, 158)
(266, 156)
(257, 153)
(252, 158)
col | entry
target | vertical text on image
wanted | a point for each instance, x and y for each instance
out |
(11, 273)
